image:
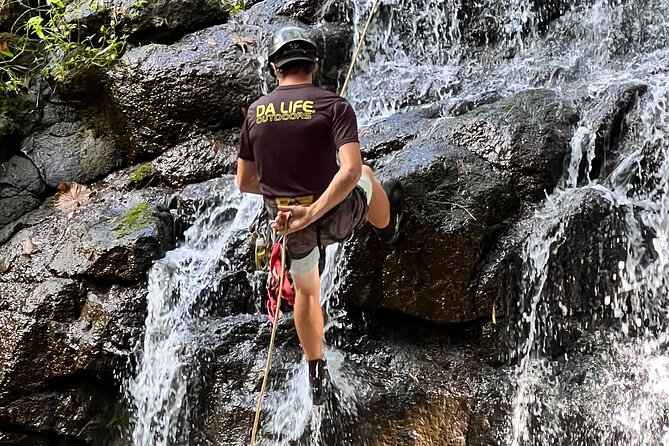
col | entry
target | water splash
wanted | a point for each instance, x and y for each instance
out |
(161, 390)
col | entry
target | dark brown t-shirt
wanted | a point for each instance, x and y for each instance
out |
(293, 135)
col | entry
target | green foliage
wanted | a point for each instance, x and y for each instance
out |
(234, 6)
(138, 217)
(66, 48)
(139, 4)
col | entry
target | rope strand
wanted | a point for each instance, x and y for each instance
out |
(275, 325)
(358, 47)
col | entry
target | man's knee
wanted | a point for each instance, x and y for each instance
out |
(366, 170)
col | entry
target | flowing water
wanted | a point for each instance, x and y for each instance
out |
(180, 286)
(416, 52)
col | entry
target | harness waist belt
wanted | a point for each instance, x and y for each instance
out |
(306, 200)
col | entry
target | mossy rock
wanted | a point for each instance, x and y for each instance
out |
(142, 174)
(136, 219)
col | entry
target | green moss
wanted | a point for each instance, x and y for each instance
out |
(141, 173)
(139, 217)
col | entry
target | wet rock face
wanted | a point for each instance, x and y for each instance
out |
(70, 150)
(382, 378)
(20, 188)
(581, 270)
(200, 159)
(202, 82)
(157, 20)
(453, 199)
(64, 327)
(526, 137)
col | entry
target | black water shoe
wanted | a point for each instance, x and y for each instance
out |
(395, 193)
(319, 379)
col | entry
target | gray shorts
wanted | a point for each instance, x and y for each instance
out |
(334, 227)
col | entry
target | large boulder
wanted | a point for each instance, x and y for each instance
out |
(526, 137)
(114, 238)
(55, 329)
(203, 82)
(20, 188)
(199, 159)
(464, 178)
(154, 20)
(69, 149)
(575, 250)
(454, 200)
(396, 384)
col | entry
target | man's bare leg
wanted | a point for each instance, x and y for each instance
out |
(379, 207)
(308, 314)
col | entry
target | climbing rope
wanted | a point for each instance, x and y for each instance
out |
(275, 324)
(358, 48)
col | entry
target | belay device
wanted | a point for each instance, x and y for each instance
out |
(267, 251)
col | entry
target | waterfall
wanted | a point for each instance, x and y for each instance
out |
(418, 52)
(161, 390)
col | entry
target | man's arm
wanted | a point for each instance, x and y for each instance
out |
(247, 176)
(350, 169)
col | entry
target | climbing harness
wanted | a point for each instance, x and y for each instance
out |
(263, 252)
(275, 325)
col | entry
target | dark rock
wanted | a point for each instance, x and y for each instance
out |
(453, 200)
(39, 347)
(203, 82)
(526, 137)
(152, 20)
(116, 237)
(397, 385)
(70, 150)
(20, 188)
(581, 269)
(200, 159)
(306, 11)
(19, 114)
(391, 134)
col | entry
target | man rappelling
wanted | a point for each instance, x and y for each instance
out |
(300, 150)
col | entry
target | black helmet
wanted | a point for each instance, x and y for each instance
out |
(291, 43)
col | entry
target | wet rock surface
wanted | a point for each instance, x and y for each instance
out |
(21, 186)
(199, 159)
(153, 20)
(69, 149)
(406, 390)
(204, 81)
(526, 137)
(454, 200)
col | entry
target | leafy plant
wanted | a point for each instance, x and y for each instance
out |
(66, 48)
(139, 4)
(234, 6)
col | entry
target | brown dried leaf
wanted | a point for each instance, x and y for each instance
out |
(70, 197)
(244, 43)
(4, 46)
(30, 246)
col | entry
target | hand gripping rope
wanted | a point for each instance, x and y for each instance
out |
(275, 323)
